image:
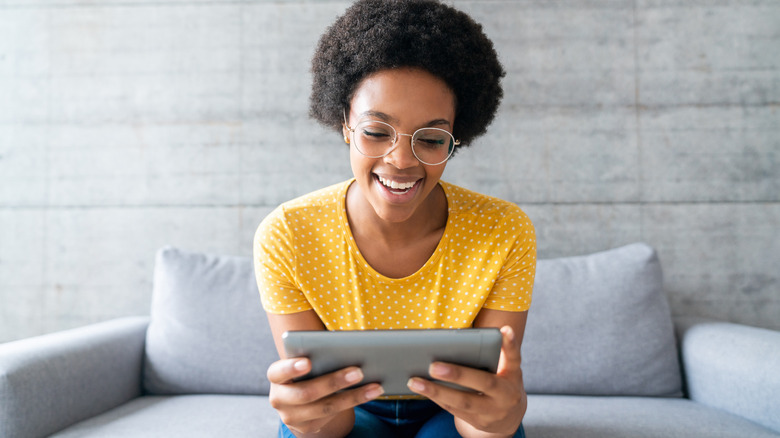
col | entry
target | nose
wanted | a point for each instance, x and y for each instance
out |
(402, 156)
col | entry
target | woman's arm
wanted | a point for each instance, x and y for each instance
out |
(307, 320)
(313, 408)
(499, 405)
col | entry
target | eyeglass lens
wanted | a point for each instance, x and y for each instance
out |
(430, 145)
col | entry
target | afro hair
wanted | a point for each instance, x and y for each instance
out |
(375, 35)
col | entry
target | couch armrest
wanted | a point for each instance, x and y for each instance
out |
(732, 367)
(50, 382)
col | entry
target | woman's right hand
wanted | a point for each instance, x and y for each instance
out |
(315, 406)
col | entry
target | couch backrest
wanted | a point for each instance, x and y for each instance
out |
(208, 333)
(598, 325)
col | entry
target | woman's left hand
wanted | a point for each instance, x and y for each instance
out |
(499, 403)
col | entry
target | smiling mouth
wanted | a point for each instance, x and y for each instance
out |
(395, 187)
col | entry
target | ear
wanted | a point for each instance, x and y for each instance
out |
(346, 133)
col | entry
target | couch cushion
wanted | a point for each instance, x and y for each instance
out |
(547, 417)
(189, 416)
(209, 333)
(561, 416)
(600, 325)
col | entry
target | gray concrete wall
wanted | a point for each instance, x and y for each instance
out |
(125, 126)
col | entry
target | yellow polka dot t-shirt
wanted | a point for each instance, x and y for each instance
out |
(306, 258)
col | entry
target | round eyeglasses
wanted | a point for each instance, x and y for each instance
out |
(376, 139)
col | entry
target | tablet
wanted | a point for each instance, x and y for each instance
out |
(392, 357)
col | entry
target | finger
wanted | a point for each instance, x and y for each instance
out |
(285, 370)
(332, 404)
(308, 391)
(477, 380)
(509, 360)
(459, 403)
(480, 411)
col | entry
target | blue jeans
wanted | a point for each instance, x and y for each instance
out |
(401, 418)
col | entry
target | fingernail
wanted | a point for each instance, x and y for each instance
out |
(438, 369)
(354, 376)
(374, 392)
(300, 365)
(416, 385)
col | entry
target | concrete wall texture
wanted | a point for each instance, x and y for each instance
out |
(126, 126)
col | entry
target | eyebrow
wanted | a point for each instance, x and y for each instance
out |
(387, 118)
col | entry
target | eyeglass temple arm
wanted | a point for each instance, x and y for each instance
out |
(344, 112)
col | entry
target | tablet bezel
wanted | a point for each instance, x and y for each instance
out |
(391, 357)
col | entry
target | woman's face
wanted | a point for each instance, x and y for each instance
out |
(407, 99)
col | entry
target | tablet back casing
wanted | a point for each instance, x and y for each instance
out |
(391, 357)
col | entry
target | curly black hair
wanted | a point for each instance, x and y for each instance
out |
(375, 35)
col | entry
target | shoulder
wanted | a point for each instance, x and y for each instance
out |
(323, 200)
(464, 202)
(319, 204)
(332, 196)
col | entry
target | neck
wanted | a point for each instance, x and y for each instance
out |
(363, 220)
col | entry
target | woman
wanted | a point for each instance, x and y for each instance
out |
(406, 83)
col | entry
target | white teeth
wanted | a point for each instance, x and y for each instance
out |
(396, 185)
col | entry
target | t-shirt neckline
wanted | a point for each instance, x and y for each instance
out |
(363, 263)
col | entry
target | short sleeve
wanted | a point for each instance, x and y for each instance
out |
(514, 286)
(274, 263)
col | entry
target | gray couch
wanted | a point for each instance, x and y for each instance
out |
(601, 359)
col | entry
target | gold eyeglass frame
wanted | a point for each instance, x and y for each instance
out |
(395, 143)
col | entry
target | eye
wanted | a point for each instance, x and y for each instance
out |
(433, 142)
(375, 132)
(433, 139)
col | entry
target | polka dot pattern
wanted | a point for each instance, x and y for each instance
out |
(306, 258)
